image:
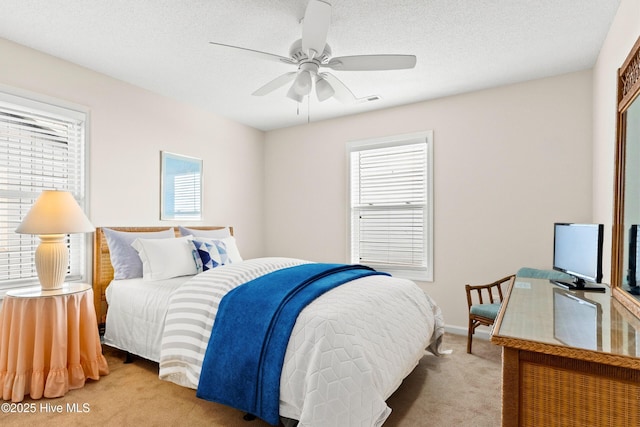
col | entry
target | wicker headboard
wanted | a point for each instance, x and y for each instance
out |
(103, 270)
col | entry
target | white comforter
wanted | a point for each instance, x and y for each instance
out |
(137, 309)
(349, 350)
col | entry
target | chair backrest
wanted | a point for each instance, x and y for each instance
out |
(486, 294)
(536, 273)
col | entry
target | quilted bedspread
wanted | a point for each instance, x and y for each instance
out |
(348, 351)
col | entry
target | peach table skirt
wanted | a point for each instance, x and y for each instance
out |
(48, 345)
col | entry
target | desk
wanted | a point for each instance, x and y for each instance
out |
(49, 342)
(569, 358)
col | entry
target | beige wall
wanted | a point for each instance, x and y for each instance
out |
(129, 127)
(623, 34)
(508, 163)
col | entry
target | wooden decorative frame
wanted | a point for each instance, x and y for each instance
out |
(628, 91)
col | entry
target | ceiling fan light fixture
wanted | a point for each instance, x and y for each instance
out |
(311, 53)
(324, 90)
(292, 94)
(302, 83)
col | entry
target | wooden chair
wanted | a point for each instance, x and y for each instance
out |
(484, 303)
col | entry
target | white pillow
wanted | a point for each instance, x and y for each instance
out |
(125, 260)
(210, 234)
(166, 258)
(232, 249)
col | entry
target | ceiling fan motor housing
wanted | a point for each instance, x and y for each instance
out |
(297, 54)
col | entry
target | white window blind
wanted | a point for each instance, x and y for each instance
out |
(41, 148)
(181, 183)
(187, 192)
(390, 207)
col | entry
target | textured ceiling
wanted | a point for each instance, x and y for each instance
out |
(461, 46)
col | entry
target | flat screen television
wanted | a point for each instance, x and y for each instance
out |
(577, 250)
(634, 260)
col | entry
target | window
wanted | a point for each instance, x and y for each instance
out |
(42, 147)
(391, 204)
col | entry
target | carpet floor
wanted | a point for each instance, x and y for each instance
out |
(452, 390)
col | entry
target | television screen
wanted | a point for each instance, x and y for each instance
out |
(577, 321)
(577, 250)
(634, 253)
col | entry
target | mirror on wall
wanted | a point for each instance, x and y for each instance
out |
(625, 265)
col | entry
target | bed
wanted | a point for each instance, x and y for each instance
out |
(349, 349)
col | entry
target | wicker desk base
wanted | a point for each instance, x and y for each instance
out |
(548, 390)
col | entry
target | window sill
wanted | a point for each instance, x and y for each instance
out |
(415, 275)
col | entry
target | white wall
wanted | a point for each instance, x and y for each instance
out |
(623, 34)
(129, 127)
(508, 163)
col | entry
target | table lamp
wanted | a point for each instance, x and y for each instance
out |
(54, 215)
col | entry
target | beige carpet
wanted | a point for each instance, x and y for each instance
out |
(452, 390)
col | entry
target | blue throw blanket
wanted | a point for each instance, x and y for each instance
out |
(245, 354)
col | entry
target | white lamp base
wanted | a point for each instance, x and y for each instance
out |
(52, 260)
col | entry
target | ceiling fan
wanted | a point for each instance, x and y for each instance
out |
(311, 53)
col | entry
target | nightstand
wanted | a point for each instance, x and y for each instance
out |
(50, 337)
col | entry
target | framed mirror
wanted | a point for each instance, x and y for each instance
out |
(625, 262)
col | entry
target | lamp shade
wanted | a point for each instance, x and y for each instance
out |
(302, 83)
(324, 90)
(292, 94)
(55, 212)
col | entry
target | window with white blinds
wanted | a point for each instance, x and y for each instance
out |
(42, 147)
(391, 205)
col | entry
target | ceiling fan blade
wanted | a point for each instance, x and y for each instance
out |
(341, 91)
(276, 83)
(315, 27)
(372, 62)
(263, 55)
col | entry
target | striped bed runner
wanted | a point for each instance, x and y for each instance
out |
(192, 310)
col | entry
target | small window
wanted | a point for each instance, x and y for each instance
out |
(391, 205)
(42, 147)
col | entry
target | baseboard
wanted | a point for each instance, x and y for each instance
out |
(484, 334)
